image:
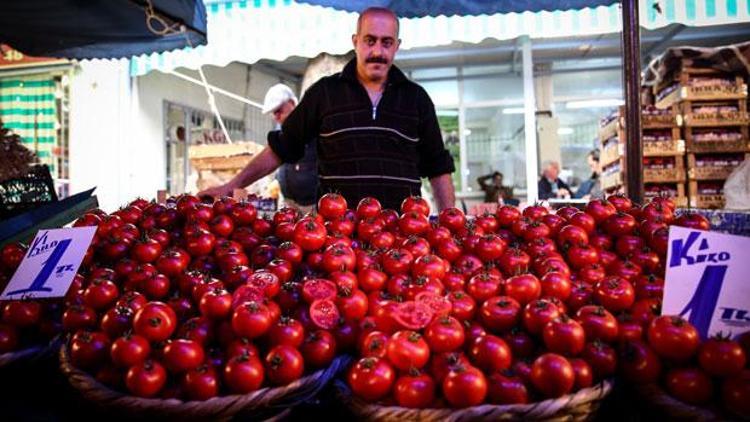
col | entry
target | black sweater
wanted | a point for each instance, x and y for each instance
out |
(363, 150)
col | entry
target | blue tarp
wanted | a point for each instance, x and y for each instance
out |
(91, 29)
(419, 8)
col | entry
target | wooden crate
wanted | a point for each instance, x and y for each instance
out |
(708, 172)
(672, 175)
(683, 90)
(664, 148)
(218, 163)
(612, 181)
(611, 153)
(662, 121)
(717, 119)
(717, 145)
(610, 129)
(703, 201)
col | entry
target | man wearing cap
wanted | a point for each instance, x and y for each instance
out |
(298, 181)
(377, 131)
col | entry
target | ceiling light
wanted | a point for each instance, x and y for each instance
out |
(606, 102)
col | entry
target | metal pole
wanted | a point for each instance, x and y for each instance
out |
(529, 114)
(631, 49)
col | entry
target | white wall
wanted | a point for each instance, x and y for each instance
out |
(116, 123)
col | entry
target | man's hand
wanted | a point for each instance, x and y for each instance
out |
(563, 193)
(216, 192)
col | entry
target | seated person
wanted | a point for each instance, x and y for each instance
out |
(591, 187)
(550, 186)
(492, 185)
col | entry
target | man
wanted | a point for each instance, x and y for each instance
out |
(298, 181)
(591, 187)
(492, 185)
(549, 185)
(377, 131)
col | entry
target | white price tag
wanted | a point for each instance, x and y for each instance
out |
(50, 264)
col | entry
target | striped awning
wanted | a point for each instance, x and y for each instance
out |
(249, 31)
(28, 107)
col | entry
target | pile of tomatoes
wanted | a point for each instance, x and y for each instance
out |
(193, 300)
(24, 323)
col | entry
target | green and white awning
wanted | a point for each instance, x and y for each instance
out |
(248, 31)
(29, 108)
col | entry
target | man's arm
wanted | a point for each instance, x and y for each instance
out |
(443, 191)
(262, 164)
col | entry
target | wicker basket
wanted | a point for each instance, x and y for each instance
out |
(260, 405)
(30, 354)
(672, 408)
(580, 406)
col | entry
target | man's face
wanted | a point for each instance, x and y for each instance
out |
(375, 45)
(593, 164)
(283, 111)
(498, 179)
(551, 172)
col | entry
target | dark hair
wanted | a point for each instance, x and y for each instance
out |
(376, 10)
(497, 173)
(594, 154)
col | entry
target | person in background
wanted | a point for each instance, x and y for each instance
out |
(298, 181)
(591, 187)
(492, 185)
(550, 186)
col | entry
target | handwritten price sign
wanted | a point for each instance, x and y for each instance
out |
(50, 264)
(707, 280)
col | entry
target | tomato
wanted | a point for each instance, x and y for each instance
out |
(638, 363)
(265, 281)
(615, 294)
(309, 235)
(598, 323)
(619, 224)
(241, 346)
(514, 261)
(282, 269)
(414, 390)
(173, 262)
(324, 313)
(735, 392)
(244, 213)
(428, 266)
(317, 289)
(507, 215)
(146, 250)
(540, 247)
(552, 375)
(554, 222)
(465, 386)
(483, 286)
(581, 295)
(490, 353)
(537, 314)
(243, 374)
(201, 383)
(287, 331)
(284, 364)
(689, 385)
(444, 334)
(499, 314)
(463, 307)
(22, 313)
(146, 379)
(216, 304)
(117, 321)
(407, 349)
(371, 378)
(8, 338)
(413, 315)
(520, 343)
(352, 304)
(198, 329)
(181, 355)
(371, 279)
(507, 388)
(602, 358)
(397, 261)
(338, 258)
(413, 223)
(721, 357)
(564, 336)
(583, 220)
(89, 349)
(535, 212)
(673, 338)
(556, 284)
(332, 205)
(319, 349)
(251, 320)
(645, 310)
(368, 207)
(524, 288)
(415, 204)
(487, 222)
(155, 321)
(693, 220)
(583, 373)
(649, 287)
(76, 317)
(580, 256)
(600, 209)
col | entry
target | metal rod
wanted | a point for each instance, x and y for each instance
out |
(532, 156)
(632, 83)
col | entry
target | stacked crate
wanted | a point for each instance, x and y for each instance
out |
(713, 108)
(663, 153)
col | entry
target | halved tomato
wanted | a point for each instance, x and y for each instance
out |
(318, 288)
(440, 305)
(324, 314)
(413, 315)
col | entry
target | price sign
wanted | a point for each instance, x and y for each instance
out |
(707, 280)
(50, 264)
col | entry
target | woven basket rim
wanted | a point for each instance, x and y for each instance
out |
(218, 407)
(29, 353)
(584, 396)
(657, 396)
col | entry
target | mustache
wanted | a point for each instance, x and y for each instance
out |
(380, 60)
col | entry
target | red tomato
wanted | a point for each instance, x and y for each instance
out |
(155, 321)
(407, 349)
(615, 294)
(721, 357)
(637, 363)
(414, 390)
(371, 378)
(413, 315)
(146, 379)
(89, 349)
(284, 364)
(506, 389)
(690, 385)
(465, 386)
(673, 338)
(490, 353)
(309, 235)
(584, 374)
(537, 314)
(735, 392)
(319, 349)
(500, 314)
(331, 205)
(415, 204)
(324, 314)
(251, 320)
(444, 334)
(564, 336)
(182, 355)
(287, 331)
(552, 375)
(201, 383)
(243, 374)
(524, 288)
(602, 358)
(598, 323)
